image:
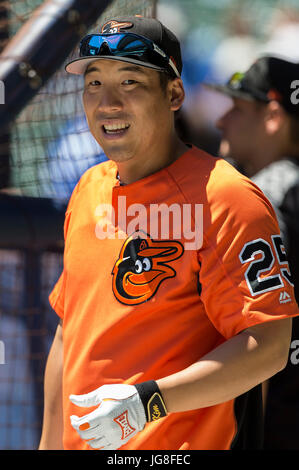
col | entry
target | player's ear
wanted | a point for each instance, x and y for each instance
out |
(176, 94)
(274, 117)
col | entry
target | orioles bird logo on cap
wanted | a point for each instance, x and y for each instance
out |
(142, 266)
(112, 27)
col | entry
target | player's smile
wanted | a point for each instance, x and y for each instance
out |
(115, 129)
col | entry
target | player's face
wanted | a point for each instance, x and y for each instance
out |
(128, 112)
(242, 129)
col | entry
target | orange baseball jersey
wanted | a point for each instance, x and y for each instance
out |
(158, 273)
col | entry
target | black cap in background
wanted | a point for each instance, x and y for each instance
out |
(268, 78)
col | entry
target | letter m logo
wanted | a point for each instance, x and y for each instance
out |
(123, 422)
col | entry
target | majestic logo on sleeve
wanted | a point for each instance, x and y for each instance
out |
(142, 265)
(112, 27)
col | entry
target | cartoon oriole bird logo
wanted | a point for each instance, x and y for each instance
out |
(115, 26)
(142, 265)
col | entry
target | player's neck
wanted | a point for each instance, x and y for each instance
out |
(134, 170)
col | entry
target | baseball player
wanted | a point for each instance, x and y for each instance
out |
(164, 341)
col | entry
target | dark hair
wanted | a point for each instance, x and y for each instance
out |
(165, 78)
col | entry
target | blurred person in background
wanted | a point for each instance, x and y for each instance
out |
(260, 134)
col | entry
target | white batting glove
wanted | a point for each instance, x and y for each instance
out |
(122, 412)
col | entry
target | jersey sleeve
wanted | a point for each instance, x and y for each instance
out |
(244, 275)
(56, 297)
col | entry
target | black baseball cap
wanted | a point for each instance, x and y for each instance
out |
(269, 78)
(166, 44)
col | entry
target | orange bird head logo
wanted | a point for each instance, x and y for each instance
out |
(142, 265)
(115, 27)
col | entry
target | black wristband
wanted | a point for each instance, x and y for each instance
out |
(152, 400)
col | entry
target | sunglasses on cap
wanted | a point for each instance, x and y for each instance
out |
(236, 82)
(127, 45)
(235, 79)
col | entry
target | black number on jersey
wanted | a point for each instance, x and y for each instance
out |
(259, 254)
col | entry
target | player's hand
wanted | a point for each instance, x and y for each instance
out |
(122, 412)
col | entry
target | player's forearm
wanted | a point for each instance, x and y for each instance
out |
(52, 430)
(231, 369)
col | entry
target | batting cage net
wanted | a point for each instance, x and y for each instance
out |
(48, 136)
(44, 149)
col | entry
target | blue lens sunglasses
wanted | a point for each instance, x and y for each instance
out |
(126, 45)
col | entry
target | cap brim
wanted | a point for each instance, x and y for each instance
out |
(226, 90)
(79, 66)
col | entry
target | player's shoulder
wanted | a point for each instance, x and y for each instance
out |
(97, 173)
(214, 181)
(198, 169)
(276, 179)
